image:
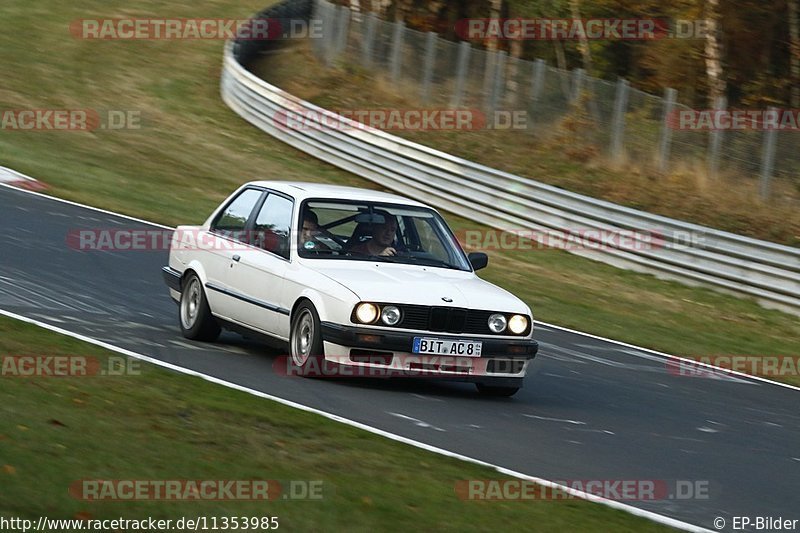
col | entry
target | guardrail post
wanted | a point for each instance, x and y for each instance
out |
(715, 140)
(331, 33)
(498, 84)
(488, 77)
(768, 156)
(397, 49)
(577, 83)
(665, 141)
(343, 27)
(430, 61)
(369, 40)
(464, 48)
(618, 119)
(538, 71)
(322, 45)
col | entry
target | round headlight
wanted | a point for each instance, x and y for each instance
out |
(518, 324)
(367, 313)
(390, 315)
(497, 323)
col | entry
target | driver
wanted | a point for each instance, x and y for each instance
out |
(308, 237)
(382, 238)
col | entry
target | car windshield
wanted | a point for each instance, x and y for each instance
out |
(367, 231)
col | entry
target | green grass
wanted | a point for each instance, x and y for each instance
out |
(160, 425)
(192, 151)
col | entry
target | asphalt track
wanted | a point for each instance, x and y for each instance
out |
(590, 410)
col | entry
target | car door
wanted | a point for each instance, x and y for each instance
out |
(258, 275)
(226, 240)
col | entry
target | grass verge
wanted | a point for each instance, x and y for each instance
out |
(158, 425)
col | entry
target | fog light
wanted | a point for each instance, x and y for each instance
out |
(518, 324)
(367, 313)
(390, 315)
(497, 323)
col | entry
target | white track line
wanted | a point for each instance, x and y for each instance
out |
(392, 436)
(545, 324)
(112, 213)
(672, 357)
(15, 179)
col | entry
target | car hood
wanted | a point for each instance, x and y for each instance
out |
(413, 284)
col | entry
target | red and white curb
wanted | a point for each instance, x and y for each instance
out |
(15, 179)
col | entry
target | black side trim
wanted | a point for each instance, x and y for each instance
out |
(401, 341)
(233, 294)
(250, 333)
(172, 278)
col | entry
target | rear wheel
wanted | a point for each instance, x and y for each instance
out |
(305, 341)
(195, 317)
(496, 391)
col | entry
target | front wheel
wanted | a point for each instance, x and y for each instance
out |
(305, 341)
(195, 317)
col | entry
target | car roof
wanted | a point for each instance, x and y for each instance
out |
(302, 190)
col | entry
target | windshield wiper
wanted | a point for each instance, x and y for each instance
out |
(431, 261)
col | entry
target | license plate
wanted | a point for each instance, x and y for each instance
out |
(432, 346)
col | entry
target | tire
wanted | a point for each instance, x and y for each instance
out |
(496, 391)
(194, 315)
(305, 342)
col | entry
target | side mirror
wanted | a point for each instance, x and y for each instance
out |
(478, 260)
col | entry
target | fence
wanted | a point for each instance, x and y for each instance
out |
(622, 122)
(766, 271)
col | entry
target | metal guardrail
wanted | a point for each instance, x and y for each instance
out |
(687, 252)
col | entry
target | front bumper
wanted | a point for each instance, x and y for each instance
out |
(502, 361)
(402, 341)
(172, 278)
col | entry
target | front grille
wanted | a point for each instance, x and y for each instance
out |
(444, 319)
(414, 316)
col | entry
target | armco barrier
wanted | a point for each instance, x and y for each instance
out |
(767, 271)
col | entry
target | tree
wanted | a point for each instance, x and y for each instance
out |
(713, 53)
(495, 9)
(794, 54)
(583, 42)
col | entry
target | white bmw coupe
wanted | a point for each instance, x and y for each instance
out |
(350, 279)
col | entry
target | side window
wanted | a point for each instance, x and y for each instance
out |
(233, 219)
(273, 225)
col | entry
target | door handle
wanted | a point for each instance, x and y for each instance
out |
(236, 258)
